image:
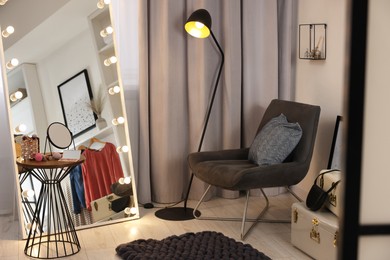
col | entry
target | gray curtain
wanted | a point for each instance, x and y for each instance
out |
(177, 73)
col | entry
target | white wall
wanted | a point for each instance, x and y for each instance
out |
(74, 56)
(322, 82)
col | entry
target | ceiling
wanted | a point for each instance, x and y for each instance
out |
(42, 26)
(25, 16)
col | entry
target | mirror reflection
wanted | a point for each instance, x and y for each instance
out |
(52, 46)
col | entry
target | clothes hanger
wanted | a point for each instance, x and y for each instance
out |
(92, 141)
(82, 147)
(96, 144)
(95, 140)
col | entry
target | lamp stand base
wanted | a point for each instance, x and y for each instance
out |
(176, 213)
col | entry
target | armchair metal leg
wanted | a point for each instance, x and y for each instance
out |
(294, 194)
(244, 219)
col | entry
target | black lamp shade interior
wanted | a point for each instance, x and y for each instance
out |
(199, 24)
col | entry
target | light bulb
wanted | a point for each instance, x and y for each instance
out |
(18, 94)
(195, 32)
(13, 97)
(121, 180)
(122, 149)
(111, 60)
(118, 121)
(133, 210)
(29, 226)
(7, 31)
(114, 90)
(130, 211)
(12, 63)
(100, 4)
(2, 2)
(106, 31)
(27, 193)
(127, 211)
(21, 128)
(127, 180)
(199, 25)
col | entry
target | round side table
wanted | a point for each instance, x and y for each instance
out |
(51, 233)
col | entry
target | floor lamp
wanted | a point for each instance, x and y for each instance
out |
(199, 26)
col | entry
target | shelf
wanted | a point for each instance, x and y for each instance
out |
(100, 134)
(108, 48)
(29, 111)
(100, 20)
(116, 82)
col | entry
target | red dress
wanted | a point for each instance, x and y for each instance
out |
(100, 170)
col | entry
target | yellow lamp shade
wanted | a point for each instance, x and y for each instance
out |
(199, 24)
(197, 29)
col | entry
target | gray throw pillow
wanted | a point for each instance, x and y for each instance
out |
(275, 141)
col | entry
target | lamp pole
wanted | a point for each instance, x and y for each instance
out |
(207, 113)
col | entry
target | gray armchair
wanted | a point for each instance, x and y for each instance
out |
(232, 170)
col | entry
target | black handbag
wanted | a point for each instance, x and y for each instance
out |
(317, 196)
(120, 204)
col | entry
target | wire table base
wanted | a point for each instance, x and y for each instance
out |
(51, 232)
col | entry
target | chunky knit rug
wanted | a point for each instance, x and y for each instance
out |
(202, 245)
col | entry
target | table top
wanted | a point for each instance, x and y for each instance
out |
(31, 164)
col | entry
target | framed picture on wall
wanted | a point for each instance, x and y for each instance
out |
(335, 156)
(75, 96)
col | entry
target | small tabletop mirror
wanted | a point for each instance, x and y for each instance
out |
(59, 135)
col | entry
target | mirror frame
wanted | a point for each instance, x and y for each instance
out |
(127, 138)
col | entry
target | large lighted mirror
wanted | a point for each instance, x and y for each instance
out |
(54, 41)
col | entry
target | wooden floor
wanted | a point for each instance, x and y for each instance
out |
(100, 243)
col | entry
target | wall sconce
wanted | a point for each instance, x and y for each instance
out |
(8, 31)
(114, 90)
(100, 4)
(12, 63)
(109, 61)
(18, 95)
(106, 31)
(118, 121)
(122, 149)
(20, 128)
(2, 2)
(312, 41)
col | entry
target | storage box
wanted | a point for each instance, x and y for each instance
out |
(106, 207)
(333, 203)
(115, 216)
(315, 233)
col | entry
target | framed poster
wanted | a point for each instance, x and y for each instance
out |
(335, 156)
(75, 96)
